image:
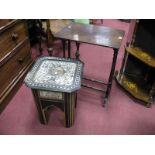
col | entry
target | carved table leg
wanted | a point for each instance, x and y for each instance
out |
(40, 48)
(50, 39)
(77, 54)
(64, 47)
(75, 98)
(69, 49)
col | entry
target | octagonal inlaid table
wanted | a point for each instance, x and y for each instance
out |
(54, 82)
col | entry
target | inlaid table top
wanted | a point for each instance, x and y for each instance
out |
(55, 74)
(92, 34)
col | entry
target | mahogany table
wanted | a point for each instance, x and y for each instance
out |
(95, 35)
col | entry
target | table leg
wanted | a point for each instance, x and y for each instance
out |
(111, 75)
(41, 111)
(63, 47)
(75, 98)
(77, 54)
(40, 48)
(69, 49)
(69, 109)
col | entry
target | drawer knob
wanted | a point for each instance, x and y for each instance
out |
(20, 60)
(14, 36)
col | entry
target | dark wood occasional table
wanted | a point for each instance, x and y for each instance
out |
(95, 35)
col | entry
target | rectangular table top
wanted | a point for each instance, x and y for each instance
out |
(92, 34)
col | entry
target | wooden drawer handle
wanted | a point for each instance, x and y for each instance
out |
(14, 36)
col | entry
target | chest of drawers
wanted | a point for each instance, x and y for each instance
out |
(15, 58)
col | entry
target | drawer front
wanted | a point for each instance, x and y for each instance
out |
(3, 22)
(11, 69)
(11, 37)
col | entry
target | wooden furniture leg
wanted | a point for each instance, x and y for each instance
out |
(69, 49)
(111, 75)
(77, 54)
(41, 112)
(50, 38)
(64, 47)
(69, 109)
